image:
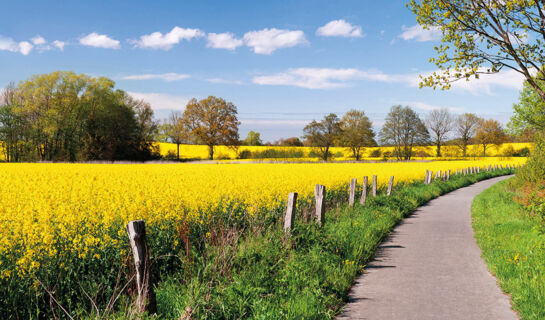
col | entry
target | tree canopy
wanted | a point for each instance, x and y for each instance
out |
(357, 132)
(440, 123)
(403, 129)
(323, 134)
(212, 121)
(484, 36)
(489, 132)
(529, 112)
(63, 116)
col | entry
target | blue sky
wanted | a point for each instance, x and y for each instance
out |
(282, 63)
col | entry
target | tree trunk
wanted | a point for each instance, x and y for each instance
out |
(326, 153)
(484, 150)
(178, 151)
(211, 152)
(464, 148)
(438, 149)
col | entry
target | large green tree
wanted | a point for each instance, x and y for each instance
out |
(323, 134)
(63, 116)
(212, 121)
(403, 129)
(357, 132)
(529, 111)
(484, 36)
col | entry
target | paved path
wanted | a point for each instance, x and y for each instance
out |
(431, 268)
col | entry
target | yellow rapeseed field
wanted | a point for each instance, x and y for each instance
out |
(340, 153)
(51, 210)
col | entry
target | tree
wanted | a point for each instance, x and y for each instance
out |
(529, 112)
(357, 132)
(63, 116)
(484, 36)
(403, 129)
(212, 121)
(465, 126)
(440, 123)
(489, 132)
(176, 131)
(323, 134)
(253, 139)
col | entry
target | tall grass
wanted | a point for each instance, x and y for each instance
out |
(513, 245)
(306, 276)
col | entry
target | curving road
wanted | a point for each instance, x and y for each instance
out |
(431, 268)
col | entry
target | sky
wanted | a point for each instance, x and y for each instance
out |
(282, 63)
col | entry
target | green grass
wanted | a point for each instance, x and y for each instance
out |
(513, 246)
(307, 276)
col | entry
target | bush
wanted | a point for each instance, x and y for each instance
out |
(375, 153)
(524, 152)
(339, 154)
(245, 154)
(534, 170)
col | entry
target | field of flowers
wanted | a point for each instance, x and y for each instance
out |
(79, 210)
(340, 153)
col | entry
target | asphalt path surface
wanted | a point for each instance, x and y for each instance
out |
(430, 267)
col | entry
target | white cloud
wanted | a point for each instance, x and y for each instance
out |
(327, 78)
(59, 44)
(225, 40)
(418, 33)
(38, 40)
(157, 40)
(266, 41)
(224, 81)
(23, 47)
(162, 76)
(339, 28)
(100, 41)
(161, 101)
(310, 78)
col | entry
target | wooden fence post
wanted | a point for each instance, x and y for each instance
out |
(430, 177)
(352, 195)
(374, 186)
(319, 195)
(426, 178)
(448, 175)
(145, 301)
(290, 212)
(364, 190)
(390, 185)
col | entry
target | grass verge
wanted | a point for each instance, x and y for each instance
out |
(513, 245)
(305, 276)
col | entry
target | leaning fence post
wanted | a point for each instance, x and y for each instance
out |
(448, 175)
(352, 196)
(374, 186)
(290, 212)
(136, 231)
(390, 184)
(364, 190)
(430, 177)
(319, 195)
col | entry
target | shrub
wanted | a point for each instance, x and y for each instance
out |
(509, 151)
(524, 152)
(534, 170)
(375, 153)
(245, 154)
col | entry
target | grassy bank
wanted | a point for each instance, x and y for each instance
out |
(307, 276)
(513, 245)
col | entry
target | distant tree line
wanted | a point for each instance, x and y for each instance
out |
(63, 116)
